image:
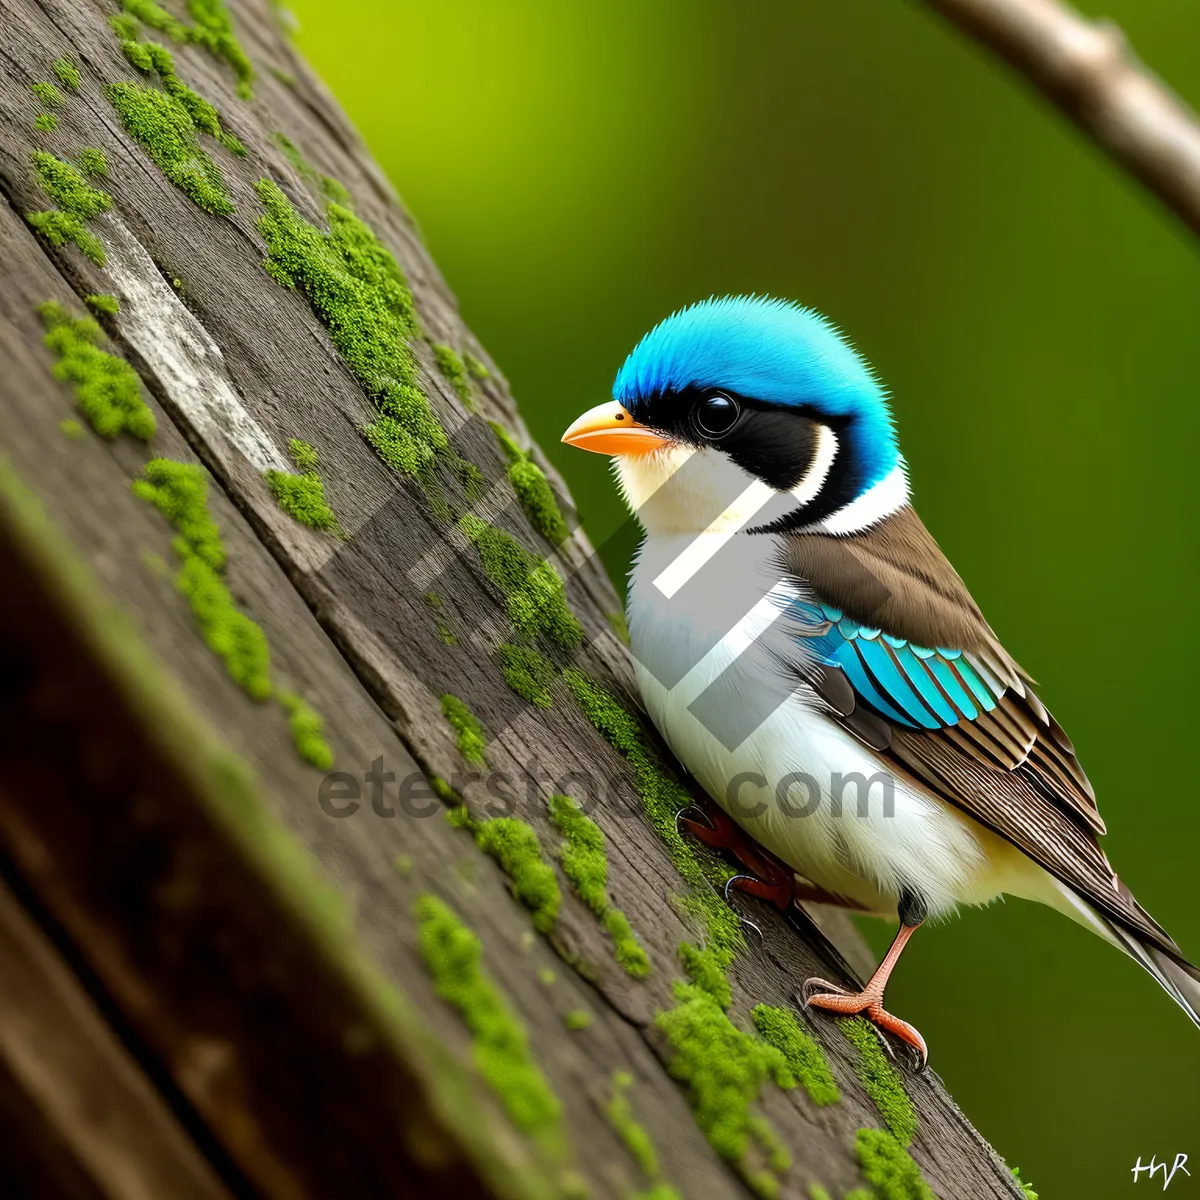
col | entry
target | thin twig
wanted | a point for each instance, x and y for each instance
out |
(1088, 70)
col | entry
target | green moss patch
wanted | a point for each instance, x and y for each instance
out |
(881, 1080)
(577, 1020)
(45, 122)
(1027, 1188)
(78, 203)
(453, 955)
(180, 492)
(514, 844)
(533, 589)
(476, 369)
(637, 1138)
(661, 798)
(308, 731)
(528, 673)
(68, 73)
(358, 292)
(533, 490)
(100, 303)
(725, 1071)
(889, 1168)
(107, 389)
(805, 1058)
(585, 864)
(332, 189)
(470, 737)
(70, 429)
(47, 93)
(92, 162)
(213, 29)
(165, 123)
(302, 496)
(454, 371)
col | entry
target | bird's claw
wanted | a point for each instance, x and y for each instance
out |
(869, 1004)
(684, 816)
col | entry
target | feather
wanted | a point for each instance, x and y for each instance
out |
(964, 719)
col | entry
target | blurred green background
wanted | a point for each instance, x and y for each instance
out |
(580, 170)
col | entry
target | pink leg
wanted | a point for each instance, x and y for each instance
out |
(869, 1001)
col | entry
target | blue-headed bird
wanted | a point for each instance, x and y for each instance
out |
(797, 631)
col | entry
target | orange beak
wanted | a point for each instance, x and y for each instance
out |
(609, 429)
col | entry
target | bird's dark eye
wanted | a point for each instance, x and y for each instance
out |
(716, 414)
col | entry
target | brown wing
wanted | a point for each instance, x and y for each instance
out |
(1013, 768)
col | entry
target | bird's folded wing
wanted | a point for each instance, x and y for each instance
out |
(894, 644)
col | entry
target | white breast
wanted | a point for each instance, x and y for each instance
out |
(704, 661)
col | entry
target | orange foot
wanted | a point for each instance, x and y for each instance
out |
(819, 993)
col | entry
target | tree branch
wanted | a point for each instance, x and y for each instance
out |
(1087, 69)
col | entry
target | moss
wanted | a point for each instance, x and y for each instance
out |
(78, 202)
(334, 190)
(881, 1080)
(533, 490)
(658, 1191)
(213, 30)
(359, 293)
(533, 589)
(817, 1192)
(285, 77)
(475, 368)
(661, 799)
(453, 955)
(165, 124)
(45, 122)
(180, 492)
(547, 976)
(444, 792)
(454, 372)
(805, 1058)
(1027, 1188)
(92, 162)
(515, 846)
(888, 1167)
(706, 969)
(446, 635)
(302, 496)
(860, 1194)
(470, 737)
(47, 93)
(632, 1132)
(725, 1071)
(527, 673)
(577, 1019)
(585, 864)
(70, 429)
(100, 303)
(308, 731)
(330, 188)
(107, 389)
(402, 864)
(68, 73)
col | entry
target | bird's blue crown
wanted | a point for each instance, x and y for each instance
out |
(774, 351)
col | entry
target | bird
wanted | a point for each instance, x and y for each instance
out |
(816, 664)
